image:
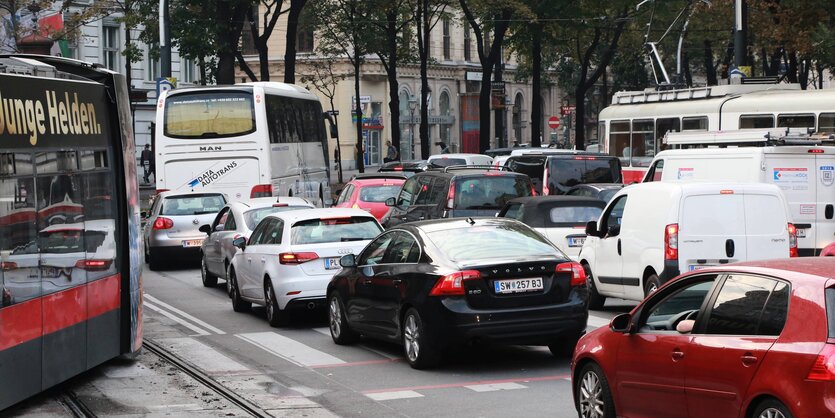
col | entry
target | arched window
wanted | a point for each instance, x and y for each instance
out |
(443, 104)
(517, 118)
(404, 102)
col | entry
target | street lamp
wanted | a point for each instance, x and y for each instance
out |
(412, 107)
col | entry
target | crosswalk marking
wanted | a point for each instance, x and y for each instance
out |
(189, 325)
(183, 314)
(203, 356)
(289, 349)
(495, 386)
(398, 394)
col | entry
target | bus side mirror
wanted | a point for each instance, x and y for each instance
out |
(331, 125)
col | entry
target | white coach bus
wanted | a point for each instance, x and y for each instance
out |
(247, 140)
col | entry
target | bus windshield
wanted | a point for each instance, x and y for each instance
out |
(209, 115)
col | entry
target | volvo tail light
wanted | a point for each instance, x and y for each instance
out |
(453, 284)
(450, 196)
(792, 240)
(578, 275)
(261, 190)
(671, 242)
(297, 258)
(824, 367)
(163, 223)
(93, 265)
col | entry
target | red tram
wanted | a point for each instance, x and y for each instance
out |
(70, 267)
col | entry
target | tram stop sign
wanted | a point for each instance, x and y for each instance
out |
(553, 122)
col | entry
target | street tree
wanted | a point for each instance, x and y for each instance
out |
(427, 15)
(270, 11)
(321, 75)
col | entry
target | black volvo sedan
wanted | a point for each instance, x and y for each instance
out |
(435, 284)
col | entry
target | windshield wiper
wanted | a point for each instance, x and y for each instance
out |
(344, 239)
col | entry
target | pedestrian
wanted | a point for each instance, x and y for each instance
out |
(391, 153)
(443, 146)
(147, 162)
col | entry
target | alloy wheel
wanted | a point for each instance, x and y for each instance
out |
(268, 298)
(335, 318)
(591, 396)
(771, 413)
(411, 336)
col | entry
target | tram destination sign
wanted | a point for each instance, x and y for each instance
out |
(55, 113)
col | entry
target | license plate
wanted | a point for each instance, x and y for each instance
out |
(518, 285)
(699, 267)
(50, 272)
(192, 243)
(332, 263)
(801, 233)
(576, 241)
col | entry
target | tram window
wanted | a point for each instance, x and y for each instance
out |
(54, 162)
(694, 124)
(756, 121)
(15, 164)
(619, 141)
(662, 126)
(826, 123)
(19, 259)
(795, 121)
(91, 160)
(643, 142)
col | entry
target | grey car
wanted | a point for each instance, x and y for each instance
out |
(172, 226)
(237, 219)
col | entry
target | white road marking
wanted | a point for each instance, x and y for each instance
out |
(203, 356)
(399, 394)
(597, 322)
(189, 325)
(184, 315)
(491, 387)
(326, 331)
(288, 349)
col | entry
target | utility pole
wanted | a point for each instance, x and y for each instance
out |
(741, 34)
(500, 140)
(164, 40)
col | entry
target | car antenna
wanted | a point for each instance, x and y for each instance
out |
(470, 220)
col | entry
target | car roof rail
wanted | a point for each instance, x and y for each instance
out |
(476, 167)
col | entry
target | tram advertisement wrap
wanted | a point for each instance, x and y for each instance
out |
(52, 113)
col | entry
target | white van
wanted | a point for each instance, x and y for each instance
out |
(651, 232)
(447, 160)
(805, 174)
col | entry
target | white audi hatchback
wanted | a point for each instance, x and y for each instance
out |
(290, 257)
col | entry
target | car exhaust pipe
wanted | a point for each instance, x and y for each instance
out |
(311, 305)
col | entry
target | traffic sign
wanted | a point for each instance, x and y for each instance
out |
(553, 122)
(566, 110)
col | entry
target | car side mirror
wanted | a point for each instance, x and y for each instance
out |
(621, 323)
(239, 242)
(220, 227)
(686, 326)
(348, 260)
(591, 228)
(391, 202)
(206, 229)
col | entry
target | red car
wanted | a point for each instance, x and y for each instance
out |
(749, 340)
(370, 192)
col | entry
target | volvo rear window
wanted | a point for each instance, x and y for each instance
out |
(340, 229)
(254, 216)
(209, 115)
(489, 191)
(564, 173)
(193, 204)
(505, 241)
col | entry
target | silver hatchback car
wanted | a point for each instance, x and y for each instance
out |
(172, 226)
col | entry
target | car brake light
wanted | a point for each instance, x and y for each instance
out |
(8, 265)
(93, 265)
(280, 205)
(545, 190)
(297, 258)
(824, 367)
(261, 190)
(792, 240)
(163, 223)
(578, 274)
(450, 196)
(816, 151)
(671, 242)
(161, 190)
(398, 168)
(453, 284)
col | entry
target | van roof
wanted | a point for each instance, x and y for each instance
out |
(459, 155)
(785, 149)
(694, 187)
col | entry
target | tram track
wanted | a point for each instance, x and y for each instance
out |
(200, 376)
(77, 408)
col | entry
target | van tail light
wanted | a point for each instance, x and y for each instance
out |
(671, 242)
(261, 190)
(93, 265)
(545, 190)
(824, 367)
(450, 196)
(297, 258)
(815, 151)
(453, 284)
(163, 223)
(578, 275)
(792, 240)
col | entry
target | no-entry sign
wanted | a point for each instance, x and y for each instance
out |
(553, 122)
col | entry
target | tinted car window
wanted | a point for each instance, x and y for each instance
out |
(374, 252)
(688, 299)
(775, 312)
(259, 232)
(508, 240)
(424, 191)
(513, 211)
(575, 215)
(615, 214)
(408, 192)
(447, 162)
(739, 305)
(830, 311)
(317, 231)
(403, 249)
(564, 173)
(194, 204)
(489, 192)
(378, 193)
(607, 194)
(230, 224)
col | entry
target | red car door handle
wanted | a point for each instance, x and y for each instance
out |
(749, 359)
(677, 355)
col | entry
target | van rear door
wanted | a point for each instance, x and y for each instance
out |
(233, 176)
(825, 225)
(766, 226)
(794, 174)
(711, 229)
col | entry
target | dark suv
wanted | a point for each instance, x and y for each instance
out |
(455, 192)
(553, 173)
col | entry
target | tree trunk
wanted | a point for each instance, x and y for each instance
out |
(296, 7)
(423, 52)
(805, 68)
(710, 68)
(263, 58)
(360, 143)
(391, 72)
(536, 86)
(231, 22)
(201, 62)
(338, 154)
(791, 74)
